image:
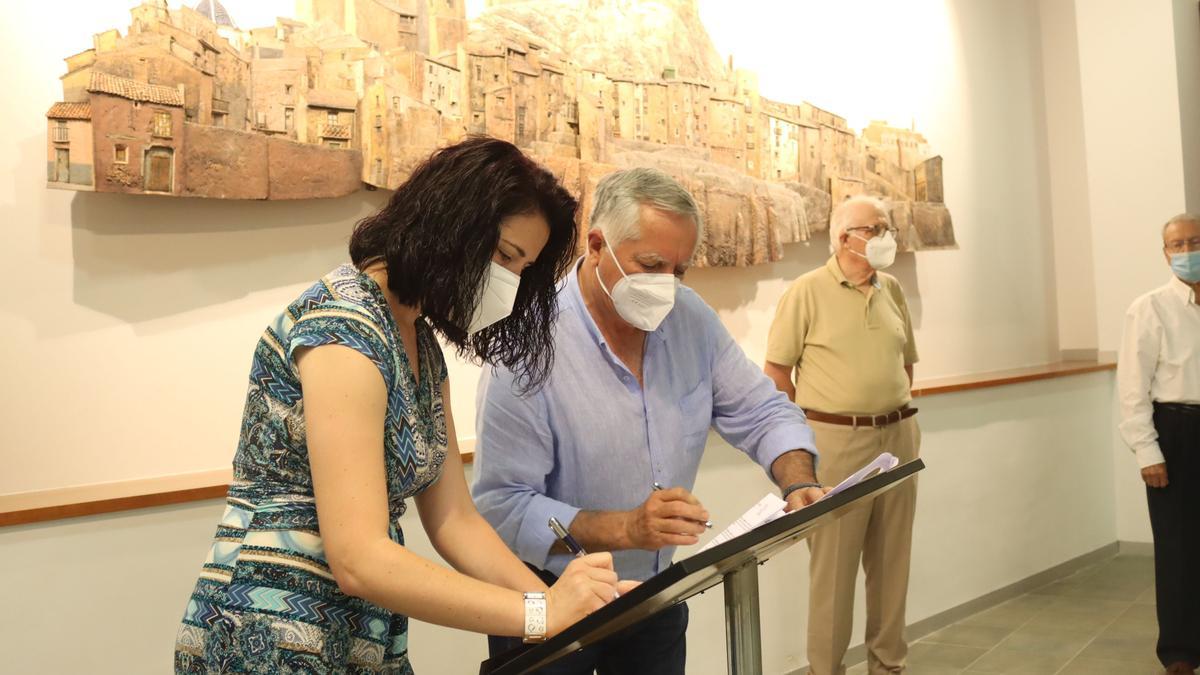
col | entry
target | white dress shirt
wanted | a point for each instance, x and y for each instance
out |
(1159, 361)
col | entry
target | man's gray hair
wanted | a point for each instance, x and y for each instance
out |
(620, 195)
(840, 219)
(1181, 218)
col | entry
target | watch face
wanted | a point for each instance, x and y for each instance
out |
(536, 625)
(535, 617)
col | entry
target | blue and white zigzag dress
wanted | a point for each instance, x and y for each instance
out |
(266, 601)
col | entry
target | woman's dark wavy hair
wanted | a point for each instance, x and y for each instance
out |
(437, 235)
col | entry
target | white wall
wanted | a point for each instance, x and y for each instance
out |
(1187, 61)
(1132, 130)
(1066, 154)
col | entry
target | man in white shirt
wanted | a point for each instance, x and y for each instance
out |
(1158, 378)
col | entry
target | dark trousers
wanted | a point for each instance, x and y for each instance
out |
(1175, 521)
(654, 646)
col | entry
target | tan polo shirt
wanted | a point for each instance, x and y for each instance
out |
(849, 347)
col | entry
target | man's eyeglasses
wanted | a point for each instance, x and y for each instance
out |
(876, 230)
(1181, 245)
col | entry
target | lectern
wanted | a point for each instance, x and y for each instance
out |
(734, 563)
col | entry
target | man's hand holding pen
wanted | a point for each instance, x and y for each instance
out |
(668, 517)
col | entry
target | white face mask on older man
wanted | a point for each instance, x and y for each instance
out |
(644, 299)
(880, 250)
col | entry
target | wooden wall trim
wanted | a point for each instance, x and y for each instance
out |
(1000, 378)
(87, 500)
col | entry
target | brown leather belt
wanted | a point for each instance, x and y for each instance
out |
(881, 420)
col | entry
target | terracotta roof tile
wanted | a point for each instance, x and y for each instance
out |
(70, 111)
(134, 90)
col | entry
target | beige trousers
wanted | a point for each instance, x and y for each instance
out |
(879, 533)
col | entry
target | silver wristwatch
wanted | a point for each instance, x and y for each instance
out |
(535, 617)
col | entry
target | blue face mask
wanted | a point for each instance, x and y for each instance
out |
(1186, 266)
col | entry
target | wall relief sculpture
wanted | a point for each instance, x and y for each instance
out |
(356, 92)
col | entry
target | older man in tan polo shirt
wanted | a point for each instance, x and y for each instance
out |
(845, 330)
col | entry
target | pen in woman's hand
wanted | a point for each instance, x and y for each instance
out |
(566, 538)
(569, 541)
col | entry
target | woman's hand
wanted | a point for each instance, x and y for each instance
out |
(586, 585)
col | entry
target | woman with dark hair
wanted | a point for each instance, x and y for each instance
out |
(348, 415)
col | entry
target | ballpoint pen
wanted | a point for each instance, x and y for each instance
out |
(566, 538)
(658, 486)
(569, 541)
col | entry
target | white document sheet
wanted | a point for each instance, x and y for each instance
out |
(767, 509)
(884, 462)
(771, 507)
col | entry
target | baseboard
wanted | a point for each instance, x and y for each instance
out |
(1143, 548)
(920, 629)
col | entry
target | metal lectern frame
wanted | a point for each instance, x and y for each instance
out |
(733, 563)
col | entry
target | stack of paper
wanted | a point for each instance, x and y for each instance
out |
(885, 462)
(771, 507)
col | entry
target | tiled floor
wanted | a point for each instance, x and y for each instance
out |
(1098, 621)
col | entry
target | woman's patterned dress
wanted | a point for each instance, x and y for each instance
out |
(266, 601)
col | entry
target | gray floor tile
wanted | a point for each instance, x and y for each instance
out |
(1087, 622)
(1086, 666)
(921, 669)
(1109, 608)
(1002, 616)
(1131, 649)
(1099, 621)
(969, 635)
(1137, 612)
(922, 654)
(1147, 597)
(1123, 568)
(1028, 602)
(1118, 578)
(1077, 589)
(1138, 621)
(1048, 640)
(1001, 660)
(1055, 588)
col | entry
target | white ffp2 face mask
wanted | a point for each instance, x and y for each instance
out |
(643, 300)
(496, 298)
(881, 251)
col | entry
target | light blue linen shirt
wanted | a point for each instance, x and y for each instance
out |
(592, 439)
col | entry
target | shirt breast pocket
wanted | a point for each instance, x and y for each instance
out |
(1168, 371)
(695, 413)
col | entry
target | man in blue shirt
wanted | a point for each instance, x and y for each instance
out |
(643, 367)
